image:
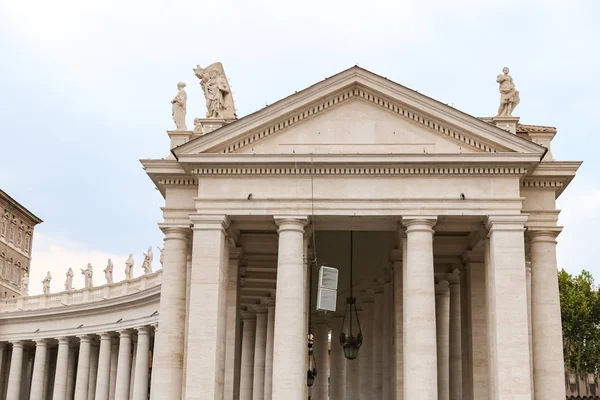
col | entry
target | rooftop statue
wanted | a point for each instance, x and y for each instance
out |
(46, 283)
(179, 108)
(147, 264)
(129, 267)
(219, 101)
(88, 272)
(108, 272)
(25, 284)
(69, 280)
(162, 256)
(509, 96)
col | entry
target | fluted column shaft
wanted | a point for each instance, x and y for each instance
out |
(269, 353)
(168, 358)
(260, 344)
(208, 298)
(338, 363)
(248, 343)
(319, 391)
(442, 320)
(420, 350)
(39, 370)
(546, 319)
(455, 338)
(83, 368)
(289, 353)
(123, 366)
(103, 378)
(61, 370)
(507, 309)
(16, 370)
(140, 384)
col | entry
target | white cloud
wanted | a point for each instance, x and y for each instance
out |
(56, 254)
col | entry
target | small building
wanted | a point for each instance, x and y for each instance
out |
(16, 237)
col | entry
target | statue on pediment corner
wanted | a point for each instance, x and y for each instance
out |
(179, 106)
(509, 95)
(69, 281)
(219, 100)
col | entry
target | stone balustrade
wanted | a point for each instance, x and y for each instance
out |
(82, 296)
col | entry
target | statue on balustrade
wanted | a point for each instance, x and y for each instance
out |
(162, 256)
(88, 273)
(147, 265)
(129, 267)
(108, 272)
(179, 108)
(25, 284)
(69, 280)
(509, 96)
(219, 101)
(46, 283)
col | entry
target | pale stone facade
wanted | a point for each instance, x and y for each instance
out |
(17, 224)
(448, 213)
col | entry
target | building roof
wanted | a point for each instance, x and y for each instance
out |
(20, 207)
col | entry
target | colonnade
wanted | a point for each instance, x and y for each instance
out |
(109, 365)
(467, 330)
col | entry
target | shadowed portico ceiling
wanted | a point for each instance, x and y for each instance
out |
(421, 113)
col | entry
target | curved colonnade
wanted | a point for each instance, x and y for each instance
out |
(90, 344)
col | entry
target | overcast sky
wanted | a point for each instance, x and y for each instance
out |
(85, 90)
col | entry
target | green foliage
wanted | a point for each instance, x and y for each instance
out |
(580, 312)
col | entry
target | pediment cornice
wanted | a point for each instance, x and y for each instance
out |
(357, 83)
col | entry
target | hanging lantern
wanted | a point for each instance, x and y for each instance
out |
(351, 335)
(311, 374)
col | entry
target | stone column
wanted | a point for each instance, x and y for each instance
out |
(48, 374)
(114, 359)
(455, 364)
(248, 343)
(269, 352)
(529, 324)
(366, 350)
(168, 358)
(140, 384)
(338, 362)
(260, 344)
(208, 300)
(388, 310)
(548, 363)
(123, 366)
(103, 379)
(352, 387)
(61, 370)
(132, 370)
(71, 372)
(398, 262)
(465, 330)
(83, 368)
(377, 346)
(39, 370)
(93, 372)
(289, 352)
(16, 370)
(442, 321)
(320, 388)
(420, 352)
(233, 348)
(507, 309)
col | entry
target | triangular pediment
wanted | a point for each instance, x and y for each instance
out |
(358, 112)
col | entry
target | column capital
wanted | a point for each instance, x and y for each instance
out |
(291, 223)
(454, 277)
(175, 231)
(236, 253)
(543, 235)
(442, 289)
(64, 340)
(41, 342)
(125, 333)
(505, 223)
(17, 343)
(209, 222)
(246, 315)
(84, 338)
(105, 336)
(419, 223)
(143, 330)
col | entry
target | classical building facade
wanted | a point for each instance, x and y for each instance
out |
(449, 220)
(17, 224)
